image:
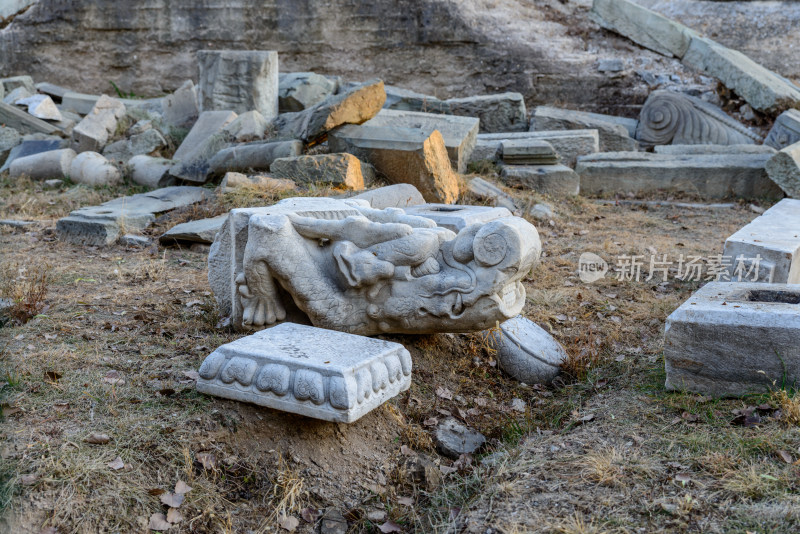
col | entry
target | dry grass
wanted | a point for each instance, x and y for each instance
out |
(25, 289)
(789, 405)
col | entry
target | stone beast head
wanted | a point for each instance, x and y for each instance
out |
(370, 271)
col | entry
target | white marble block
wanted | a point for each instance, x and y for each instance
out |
(309, 371)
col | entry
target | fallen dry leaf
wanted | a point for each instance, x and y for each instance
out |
(174, 516)
(156, 491)
(683, 478)
(309, 515)
(785, 456)
(206, 459)
(116, 464)
(158, 522)
(288, 522)
(96, 438)
(405, 501)
(114, 378)
(174, 500)
(191, 375)
(182, 487)
(49, 530)
(444, 393)
(390, 526)
(28, 480)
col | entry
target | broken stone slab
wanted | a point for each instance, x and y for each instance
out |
(784, 169)
(454, 439)
(13, 117)
(92, 133)
(133, 240)
(459, 133)
(406, 100)
(15, 224)
(9, 84)
(249, 126)
(333, 376)
(613, 137)
(526, 352)
(379, 270)
(301, 90)
(180, 108)
(554, 180)
(504, 112)
(713, 149)
(568, 143)
(207, 125)
(200, 231)
(709, 176)
(489, 191)
(457, 217)
(27, 148)
(758, 86)
(785, 131)
(44, 165)
(404, 155)
(392, 196)
(83, 104)
(355, 106)
(239, 80)
(150, 171)
(334, 169)
(734, 339)
(20, 93)
(235, 180)
(528, 152)
(668, 117)
(542, 212)
(103, 224)
(93, 169)
(257, 156)
(52, 90)
(9, 138)
(769, 247)
(642, 26)
(41, 107)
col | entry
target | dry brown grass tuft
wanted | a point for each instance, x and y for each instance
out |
(26, 290)
(790, 406)
(577, 524)
(605, 467)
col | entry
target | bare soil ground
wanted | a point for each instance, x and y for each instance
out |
(605, 449)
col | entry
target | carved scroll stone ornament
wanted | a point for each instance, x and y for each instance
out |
(673, 118)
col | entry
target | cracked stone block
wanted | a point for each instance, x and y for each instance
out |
(773, 236)
(239, 80)
(459, 133)
(328, 375)
(504, 112)
(555, 180)
(734, 339)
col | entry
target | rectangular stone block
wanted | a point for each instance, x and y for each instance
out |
(613, 136)
(642, 26)
(528, 152)
(504, 112)
(774, 236)
(785, 131)
(709, 176)
(734, 339)
(554, 180)
(200, 231)
(406, 100)
(784, 169)
(763, 89)
(82, 103)
(456, 217)
(686, 150)
(569, 144)
(239, 80)
(309, 371)
(460, 133)
(104, 224)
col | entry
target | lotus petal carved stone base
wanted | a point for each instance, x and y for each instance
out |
(308, 371)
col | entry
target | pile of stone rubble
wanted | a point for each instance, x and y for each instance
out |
(403, 258)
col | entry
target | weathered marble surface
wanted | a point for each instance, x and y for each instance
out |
(345, 266)
(310, 371)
